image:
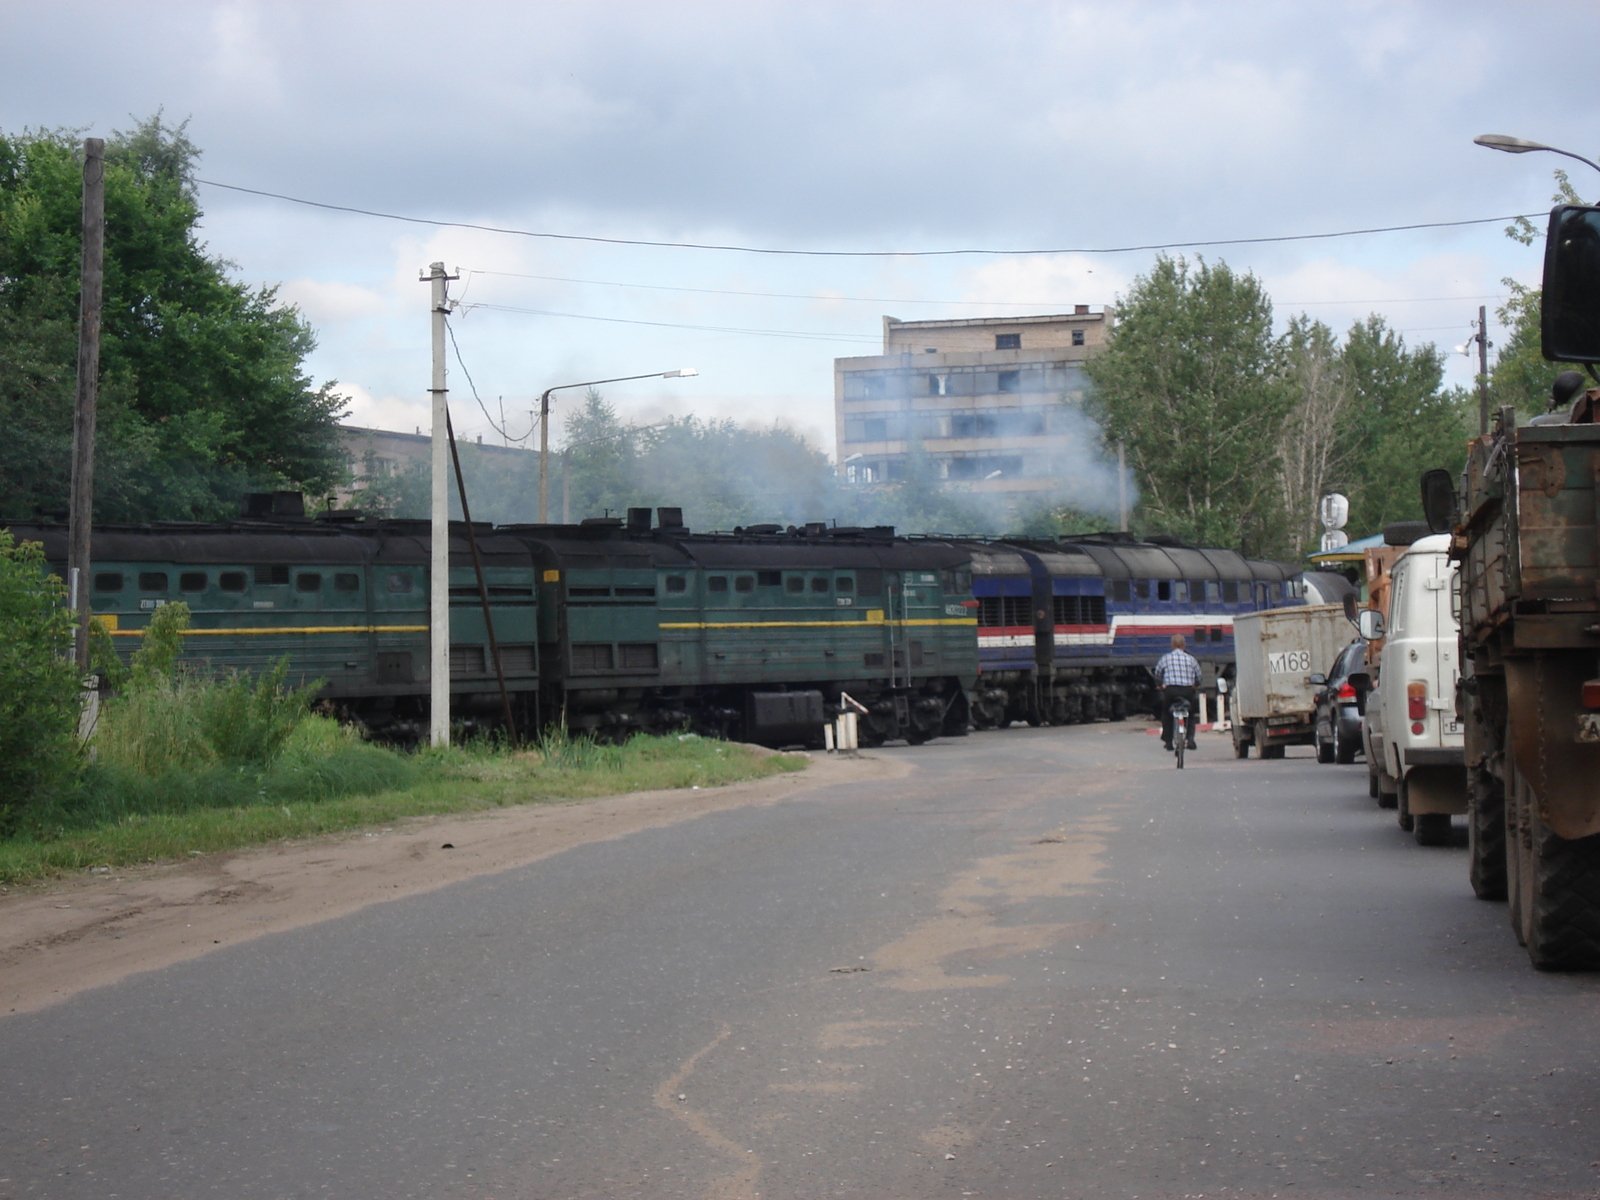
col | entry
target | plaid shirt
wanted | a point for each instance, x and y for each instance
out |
(1178, 668)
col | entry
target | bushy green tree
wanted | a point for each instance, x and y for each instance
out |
(1399, 422)
(1192, 381)
(202, 395)
(39, 686)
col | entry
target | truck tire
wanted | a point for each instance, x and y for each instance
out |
(1344, 750)
(1432, 829)
(1241, 740)
(1388, 790)
(1372, 782)
(1486, 835)
(1403, 809)
(1561, 897)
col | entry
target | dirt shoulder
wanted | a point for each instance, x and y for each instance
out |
(64, 937)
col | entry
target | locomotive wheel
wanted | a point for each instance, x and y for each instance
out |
(1486, 836)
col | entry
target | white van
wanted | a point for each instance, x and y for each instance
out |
(1413, 740)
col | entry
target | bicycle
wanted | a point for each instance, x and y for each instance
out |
(1179, 712)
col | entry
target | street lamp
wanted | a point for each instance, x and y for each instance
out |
(544, 425)
(1511, 145)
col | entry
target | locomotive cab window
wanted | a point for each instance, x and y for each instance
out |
(108, 581)
(716, 583)
(308, 582)
(744, 583)
(192, 581)
(399, 582)
(152, 581)
(677, 584)
(347, 581)
(233, 581)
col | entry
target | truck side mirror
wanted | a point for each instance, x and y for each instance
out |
(1569, 319)
(1370, 623)
(1439, 500)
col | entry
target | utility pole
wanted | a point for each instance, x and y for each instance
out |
(1483, 369)
(90, 290)
(544, 457)
(439, 529)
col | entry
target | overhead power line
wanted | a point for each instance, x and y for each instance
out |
(611, 241)
(806, 335)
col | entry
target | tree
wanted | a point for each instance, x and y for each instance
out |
(1310, 451)
(39, 686)
(1396, 424)
(1521, 376)
(1191, 380)
(202, 395)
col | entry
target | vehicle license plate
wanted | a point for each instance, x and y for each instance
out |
(1452, 726)
(1588, 727)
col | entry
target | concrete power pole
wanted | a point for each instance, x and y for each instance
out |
(439, 561)
(1483, 369)
(90, 289)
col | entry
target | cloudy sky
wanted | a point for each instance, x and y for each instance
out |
(808, 126)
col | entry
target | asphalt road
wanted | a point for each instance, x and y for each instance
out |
(1044, 964)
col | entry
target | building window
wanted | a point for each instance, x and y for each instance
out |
(939, 385)
(1010, 381)
(1077, 337)
(875, 430)
(1008, 341)
(872, 387)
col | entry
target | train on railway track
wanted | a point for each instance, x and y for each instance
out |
(618, 625)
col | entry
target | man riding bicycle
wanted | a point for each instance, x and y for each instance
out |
(1178, 673)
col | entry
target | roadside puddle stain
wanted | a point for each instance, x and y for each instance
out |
(852, 1035)
(1066, 861)
(741, 1183)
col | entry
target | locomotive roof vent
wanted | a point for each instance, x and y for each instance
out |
(274, 504)
(670, 518)
(603, 522)
(816, 529)
(638, 520)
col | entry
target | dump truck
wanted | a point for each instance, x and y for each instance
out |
(1525, 528)
(1275, 652)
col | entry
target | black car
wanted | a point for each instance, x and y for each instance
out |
(1337, 721)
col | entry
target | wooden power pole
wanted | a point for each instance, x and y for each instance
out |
(1483, 369)
(91, 287)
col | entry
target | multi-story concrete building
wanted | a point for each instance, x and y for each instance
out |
(989, 400)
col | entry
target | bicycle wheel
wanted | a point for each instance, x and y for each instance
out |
(1177, 746)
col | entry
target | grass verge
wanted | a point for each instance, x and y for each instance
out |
(122, 818)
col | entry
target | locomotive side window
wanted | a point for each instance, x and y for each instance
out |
(1180, 591)
(1141, 588)
(399, 581)
(845, 583)
(769, 578)
(869, 581)
(794, 584)
(347, 581)
(266, 576)
(716, 583)
(1216, 633)
(1230, 591)
(1121, 591)
(108, 581)
(1164, 590)
(677, 584)
(819, 583)
(233, 581)
(308, 582)
(192, 581)
(152, 581)
(956, 582)
(744, 583)
(1212, 590)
